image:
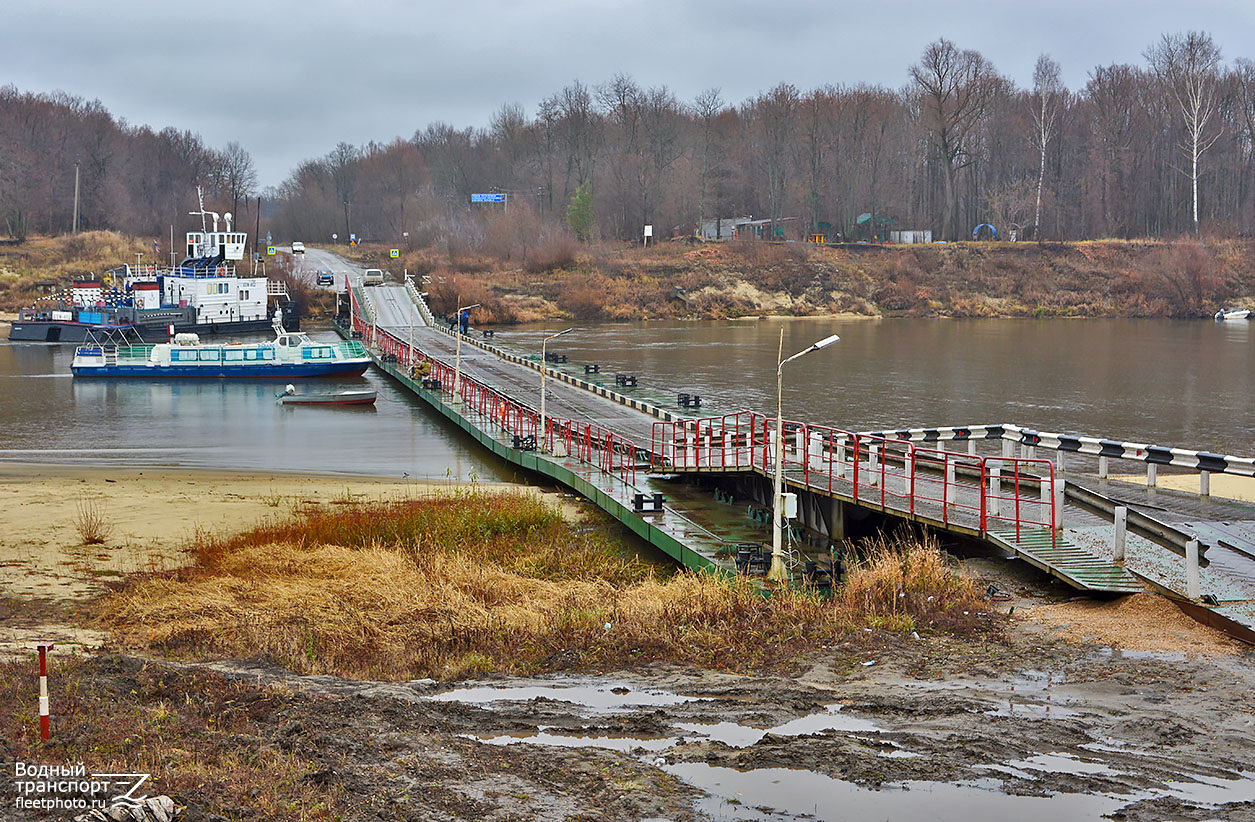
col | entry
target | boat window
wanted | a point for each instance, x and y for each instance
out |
(267, 353)
(210, 355)
(233, 354)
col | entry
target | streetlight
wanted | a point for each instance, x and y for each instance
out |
(543, 369)
(778, 572)
(457, 371)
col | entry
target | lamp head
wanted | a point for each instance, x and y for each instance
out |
(825, 342)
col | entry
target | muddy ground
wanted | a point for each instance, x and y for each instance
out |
(1056, 711)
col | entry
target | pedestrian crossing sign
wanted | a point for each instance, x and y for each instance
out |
(270, 250)
(396, 252)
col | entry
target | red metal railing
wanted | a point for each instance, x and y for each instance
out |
(895, 475)
(586, 442)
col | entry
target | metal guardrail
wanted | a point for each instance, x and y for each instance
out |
(1203, 461)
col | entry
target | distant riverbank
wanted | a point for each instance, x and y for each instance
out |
(693, 280)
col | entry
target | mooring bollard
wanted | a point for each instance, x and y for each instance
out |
(44, 721)
(1122, 524)
(1191, 569)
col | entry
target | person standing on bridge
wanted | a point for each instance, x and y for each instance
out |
(464, 320)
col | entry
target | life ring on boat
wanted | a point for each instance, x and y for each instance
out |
(222, 271)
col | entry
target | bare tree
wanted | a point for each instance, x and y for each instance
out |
(1187, 66)
(957, 87)
(235, 175)
(1047, 87)
(707, 106)
(776, 114)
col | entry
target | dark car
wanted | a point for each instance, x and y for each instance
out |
(325, 277)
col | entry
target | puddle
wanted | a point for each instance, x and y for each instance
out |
(604, 697)
(1211, 790)
(1158, 656)
(1039, 686)
(626, 744)
(1053, 763)
(735, 735)
(782, 793)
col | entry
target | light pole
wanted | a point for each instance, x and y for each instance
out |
(543, 369)
(778, 572)
(457, 370)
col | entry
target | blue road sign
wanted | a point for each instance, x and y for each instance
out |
(488, 198)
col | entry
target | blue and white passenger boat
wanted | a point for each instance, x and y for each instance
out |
(291, 354)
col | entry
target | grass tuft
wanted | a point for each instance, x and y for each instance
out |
(90, 522)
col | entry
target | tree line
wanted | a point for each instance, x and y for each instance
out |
(130, 178)
(1152, 150)
(1158, 149)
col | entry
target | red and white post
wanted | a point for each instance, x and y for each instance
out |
(43, 690)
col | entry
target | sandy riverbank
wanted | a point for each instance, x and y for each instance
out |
(147, 515)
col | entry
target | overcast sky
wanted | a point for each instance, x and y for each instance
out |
(288, 79)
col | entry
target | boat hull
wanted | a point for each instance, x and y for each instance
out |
(264, 370)
(340, 398)
(58, 331)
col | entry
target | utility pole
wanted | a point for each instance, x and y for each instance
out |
(74, 229)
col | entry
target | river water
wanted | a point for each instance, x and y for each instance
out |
(1180, 383)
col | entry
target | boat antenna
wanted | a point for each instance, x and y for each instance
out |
(200, 196)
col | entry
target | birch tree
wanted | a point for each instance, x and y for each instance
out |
(1187, 67)
(1046, 89)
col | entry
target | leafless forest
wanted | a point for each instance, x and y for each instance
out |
(1160, 149)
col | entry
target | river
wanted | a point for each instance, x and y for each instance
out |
(1180, 383)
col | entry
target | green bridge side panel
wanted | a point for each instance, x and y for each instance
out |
(532, 461)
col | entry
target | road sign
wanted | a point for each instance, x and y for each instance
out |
(488, 198)
(352, 238)
(649, 231)
(395, 253)
(270, 250)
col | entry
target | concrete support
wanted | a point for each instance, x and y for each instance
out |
(1008, 449)
(837, 529)
(690, 444)
(839, 462)
(1060, 495)
(1047, 496)
(815, 456)
(1060, 464)
(1191, 569)
(1104, 465)
(951, 491)
(1152, 471)
(799, 445)
(908, 464)
(1023, 451)
(1204, 483)
(971, 446)
(993, 506)
(1121, 534)
(873, 464)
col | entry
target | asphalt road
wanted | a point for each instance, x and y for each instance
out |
(308, 265)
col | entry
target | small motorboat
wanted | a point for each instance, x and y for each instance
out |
(1233, 314)
(361, 396)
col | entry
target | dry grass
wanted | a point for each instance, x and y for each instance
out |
(63, 258)
(457, 586)
(90, 522)
(201, 736)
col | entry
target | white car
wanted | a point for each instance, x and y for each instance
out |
(298, 248)
(373, 276)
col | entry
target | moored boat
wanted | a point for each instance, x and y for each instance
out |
(361, 396)
(207, 293)
(291, 354)
(1233, 314)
